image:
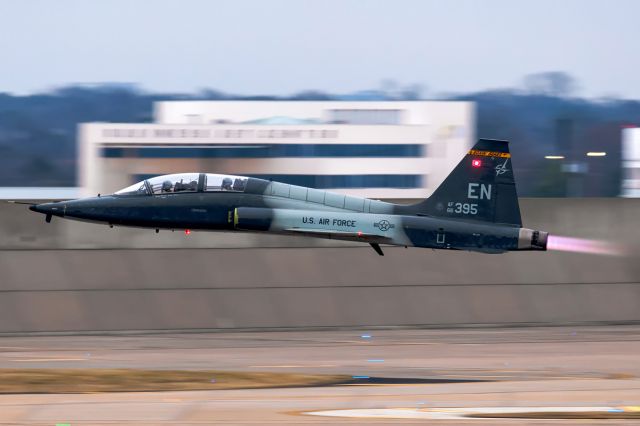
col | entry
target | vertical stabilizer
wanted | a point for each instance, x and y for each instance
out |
(481, 187)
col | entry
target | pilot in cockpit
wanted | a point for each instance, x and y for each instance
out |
(227, 184)
(167, 186)
(239, 184)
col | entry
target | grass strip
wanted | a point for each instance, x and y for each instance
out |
(130, 380)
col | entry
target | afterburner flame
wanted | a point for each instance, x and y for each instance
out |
(582, 245)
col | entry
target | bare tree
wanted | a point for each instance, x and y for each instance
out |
(551, 83)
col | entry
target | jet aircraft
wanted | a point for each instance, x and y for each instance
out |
(475, 208)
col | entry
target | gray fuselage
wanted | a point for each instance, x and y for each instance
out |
(273, 207)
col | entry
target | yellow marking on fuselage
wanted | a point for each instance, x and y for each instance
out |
(489, 153)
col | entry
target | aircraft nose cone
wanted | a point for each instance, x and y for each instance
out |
(55, 209)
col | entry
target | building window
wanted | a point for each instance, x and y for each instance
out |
(365, 116)
(269, 151)
(348, 181)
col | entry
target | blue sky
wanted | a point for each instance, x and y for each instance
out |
(285, 46)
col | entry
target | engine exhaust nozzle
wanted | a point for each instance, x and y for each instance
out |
(530, 239)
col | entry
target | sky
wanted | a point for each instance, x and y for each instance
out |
(282, 47)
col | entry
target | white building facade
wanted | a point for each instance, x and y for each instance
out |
(369, 149)
(630, 163)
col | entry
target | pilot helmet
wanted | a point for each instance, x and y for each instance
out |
(167, 185)
(226, 183)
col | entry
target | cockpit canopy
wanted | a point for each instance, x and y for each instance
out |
(187, 182)
(184, 182)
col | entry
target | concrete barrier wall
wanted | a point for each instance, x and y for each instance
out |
(51, 281)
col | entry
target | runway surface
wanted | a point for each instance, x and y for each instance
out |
(515, 367)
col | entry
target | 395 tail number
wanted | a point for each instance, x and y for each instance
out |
(462, 208)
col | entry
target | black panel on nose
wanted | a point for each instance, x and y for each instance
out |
(54, 209)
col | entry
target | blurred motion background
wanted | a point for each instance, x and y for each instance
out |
(377, 99)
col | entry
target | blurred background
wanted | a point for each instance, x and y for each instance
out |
(254, 81)
(377, 99)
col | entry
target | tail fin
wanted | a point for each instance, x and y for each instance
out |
(481, 187)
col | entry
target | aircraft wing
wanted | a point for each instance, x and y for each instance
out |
(339, 235)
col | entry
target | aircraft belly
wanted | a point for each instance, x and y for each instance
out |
(323, 224)
(414, 231)
(458, 235)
